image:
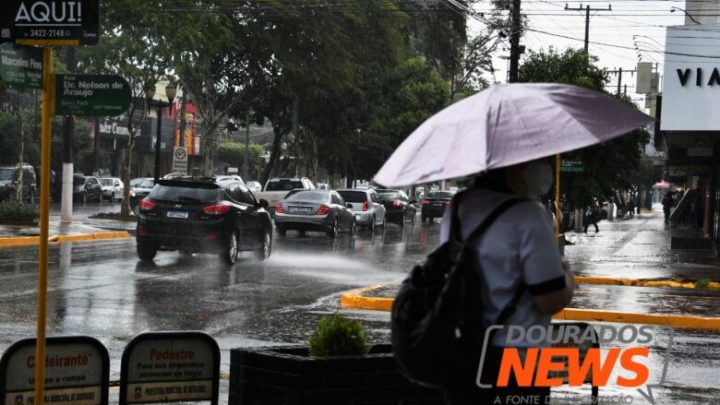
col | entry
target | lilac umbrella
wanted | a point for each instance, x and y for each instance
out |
(505, 125)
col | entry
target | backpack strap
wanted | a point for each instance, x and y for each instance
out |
(484, 225)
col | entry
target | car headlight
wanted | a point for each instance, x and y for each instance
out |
(132, 193)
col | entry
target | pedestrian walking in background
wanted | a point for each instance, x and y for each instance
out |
(592, 215)
(518, 260)
(668, 202)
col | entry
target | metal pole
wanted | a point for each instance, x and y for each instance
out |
(48, 96)
(247, 145)
(587, 27)
(557, 197)
(619, 84)
(157, 142)
(515, 43)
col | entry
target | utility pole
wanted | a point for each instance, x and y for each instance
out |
(66, 196)
(587, 9)
(515, 42)
(619, 72)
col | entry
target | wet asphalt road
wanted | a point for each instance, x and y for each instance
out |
(100, 289)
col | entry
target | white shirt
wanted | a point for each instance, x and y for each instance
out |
(519, 246)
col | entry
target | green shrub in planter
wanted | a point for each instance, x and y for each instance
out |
(14, 212)
(338, 336)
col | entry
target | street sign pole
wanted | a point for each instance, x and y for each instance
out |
(48, 98)
(557, 197)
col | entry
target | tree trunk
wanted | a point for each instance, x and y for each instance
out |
(125, 177)
(274, 152)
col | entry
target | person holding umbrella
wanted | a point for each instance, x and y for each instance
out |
(504, 135)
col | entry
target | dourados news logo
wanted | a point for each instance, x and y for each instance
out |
(575, 354)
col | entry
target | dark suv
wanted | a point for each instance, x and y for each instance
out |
(195, 215)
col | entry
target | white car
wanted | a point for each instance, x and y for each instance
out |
(112, 188)
(254, 186)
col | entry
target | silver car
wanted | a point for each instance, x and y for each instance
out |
(368, 209)
(112, 188)
(314, 210)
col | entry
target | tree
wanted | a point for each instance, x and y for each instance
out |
(128, 48)
(234, 153)
(608, 166)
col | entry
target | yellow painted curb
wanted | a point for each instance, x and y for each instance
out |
(675, 321)
(642, 283)
(355, 300)
(34, 240)
(19, 241)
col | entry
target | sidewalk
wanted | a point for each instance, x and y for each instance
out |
(608, 263)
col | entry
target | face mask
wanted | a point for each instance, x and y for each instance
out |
(538, 178)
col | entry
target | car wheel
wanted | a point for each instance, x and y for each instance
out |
(83, 197)
(229, 253)
(264, 251)
(412, 219)
(352, 227)
(146, 250)
(422, 218)
(371, 227)
(384, 222)
(281, 231)
(186, 253)
(332, 232)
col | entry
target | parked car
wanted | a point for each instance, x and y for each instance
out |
(137, 181)
(397, 205)
(86, 188)
(314, 210)
(276, 189)
(433, 204)
(199, 215)
(139, 192)
(254, 186)
(10, 181)
(369, 210)
(112, 188)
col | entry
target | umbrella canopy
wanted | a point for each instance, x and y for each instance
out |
(506, 125)
(663, 185)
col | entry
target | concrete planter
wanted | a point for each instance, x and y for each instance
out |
(287, 375)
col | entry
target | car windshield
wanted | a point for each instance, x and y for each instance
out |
(147, 184)
(312, 196)
(439, 194)
(106, 182)
(389, 195)
(284, 185)
(179, 193)
(354, 196)
(6, 174)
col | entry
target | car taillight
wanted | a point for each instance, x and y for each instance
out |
(323, 210)
(365, 206)
(397, 204)
(447, 203)
(279, 209)
(216, 209)
(146, 205)
(425, 202)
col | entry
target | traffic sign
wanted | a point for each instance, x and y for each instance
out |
(21, 65)
(180, 160)
(50, 22)
(91, 95)
(572, 166)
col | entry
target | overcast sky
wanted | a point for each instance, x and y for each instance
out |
(614, 35)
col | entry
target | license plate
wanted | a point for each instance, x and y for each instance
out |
(437, 205)
(177, 214)
(300, 210)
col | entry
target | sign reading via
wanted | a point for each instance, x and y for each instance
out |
(21, 65)
(91, 95)
(65, 22)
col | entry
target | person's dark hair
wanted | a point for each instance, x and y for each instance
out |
(495, 180)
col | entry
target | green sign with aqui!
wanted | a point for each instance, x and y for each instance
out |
(21, 66)
(91, 95)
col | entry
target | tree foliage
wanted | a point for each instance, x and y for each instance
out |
(608, 166)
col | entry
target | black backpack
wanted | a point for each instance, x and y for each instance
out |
(437, 317)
